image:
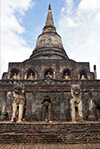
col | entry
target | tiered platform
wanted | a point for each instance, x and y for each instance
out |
(55, 132)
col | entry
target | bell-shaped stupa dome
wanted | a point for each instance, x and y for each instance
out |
(49, 43)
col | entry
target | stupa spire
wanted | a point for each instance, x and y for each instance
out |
(49, 7)
(49, 21)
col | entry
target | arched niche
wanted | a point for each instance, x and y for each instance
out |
(66, 74)
(48, 73)
(30, 74)
(46, 99)
(14, 73)
(83, 74)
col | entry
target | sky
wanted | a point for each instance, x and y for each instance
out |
(76, 21)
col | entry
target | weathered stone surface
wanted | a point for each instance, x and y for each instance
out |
(58, 91)
(48, 95)
(51, 146)
(66, 133)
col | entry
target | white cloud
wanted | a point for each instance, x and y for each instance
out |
(81, 35)
(89, 5)
(69, 6)
(12, 43)
(97, 18)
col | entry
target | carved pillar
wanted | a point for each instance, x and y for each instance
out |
(3, 108)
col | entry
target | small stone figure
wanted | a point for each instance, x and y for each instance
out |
(31, 77)
(83, 77)
(14, 76)
(76, 103)
(66, 76)
(49, 75)
(18, 101)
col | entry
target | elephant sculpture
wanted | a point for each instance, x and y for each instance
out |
(96, 107)
(76, 103)
(19, 100)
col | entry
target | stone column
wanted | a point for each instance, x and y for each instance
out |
(50, 112)
(34, 104)
(11, 99)
(79, 76)
(3, 108)
(95, 72)
(9, 109)
(22, 74)
(91, 115)
(24, 108)
(9, 75)
(62, 107)
(43, 112)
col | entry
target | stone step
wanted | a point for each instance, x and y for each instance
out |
(40, 132)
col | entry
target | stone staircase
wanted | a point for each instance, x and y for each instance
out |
(55, 132)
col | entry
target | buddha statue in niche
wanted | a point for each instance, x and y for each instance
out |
(66, 76)
(31, 77)
(83, 77)
(15, 76)
(49, 75)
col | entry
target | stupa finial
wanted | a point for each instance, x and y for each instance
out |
(49, 20)
(49, 25)
(49, 7)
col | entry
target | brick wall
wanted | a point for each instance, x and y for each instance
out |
(68, 133)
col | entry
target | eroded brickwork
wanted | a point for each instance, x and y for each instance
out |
(47, 76)
(66, 133)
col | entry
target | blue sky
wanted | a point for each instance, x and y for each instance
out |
(77, 21)
(35, 18)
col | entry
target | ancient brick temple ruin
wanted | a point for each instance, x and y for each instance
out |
(50, 78)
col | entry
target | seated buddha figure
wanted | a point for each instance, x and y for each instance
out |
(49, 75)
(83, 77)
(15, 76)
(31, 77)
(66, 76)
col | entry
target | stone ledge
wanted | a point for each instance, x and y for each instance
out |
(63, 132)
